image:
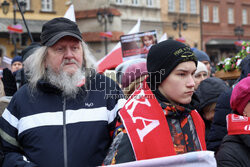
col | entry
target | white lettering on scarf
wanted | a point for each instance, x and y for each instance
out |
(147, 127)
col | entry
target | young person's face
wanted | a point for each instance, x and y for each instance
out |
(178, 87)
(199, 77)
(147, 41)
(66, 55)
(16, 66)
(207, 64)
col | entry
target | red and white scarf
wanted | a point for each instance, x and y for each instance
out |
(237, 124)
(147, 126)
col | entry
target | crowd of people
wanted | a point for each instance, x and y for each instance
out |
(61, 113)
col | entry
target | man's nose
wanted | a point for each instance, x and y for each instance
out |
(68, 53)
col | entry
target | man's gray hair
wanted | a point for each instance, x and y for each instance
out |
(35, 68)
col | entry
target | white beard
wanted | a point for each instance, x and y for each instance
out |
(65, 82)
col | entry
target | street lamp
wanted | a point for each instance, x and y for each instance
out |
(104, 16)
(179, 23)
(21, 6)
(239, 31)
(5, 7)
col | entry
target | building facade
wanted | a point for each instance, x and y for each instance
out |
(181, 20)
(223, 23)
(37, 12)
(125, 15)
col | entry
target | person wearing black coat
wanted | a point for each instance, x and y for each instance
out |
(234, 151)
(218, 128)
(208, 92)
(235, 148)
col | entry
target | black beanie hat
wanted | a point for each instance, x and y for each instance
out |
(164, 57)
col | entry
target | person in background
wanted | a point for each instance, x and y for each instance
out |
(20, 77)
(235, 148)
(16, 63)
(9, 81)
(219, 127)
(200, 74)
(159, 119)
(65, 114)
(133, 76)
(208, 92)
(121, 68)
(204, 58)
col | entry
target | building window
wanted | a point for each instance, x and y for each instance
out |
(230, 16)
(193, 6)
(149, 2)
(171, 6)
(244, 17)
(205, 13)
(47, 5)
(134, 2)
(215, 14)
(27, 4)
(182, 6)
(119, 1)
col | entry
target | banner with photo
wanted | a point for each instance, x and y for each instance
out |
(137, 45)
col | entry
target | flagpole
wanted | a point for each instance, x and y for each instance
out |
(31, 38)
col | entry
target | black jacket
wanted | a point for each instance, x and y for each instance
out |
(234, 151)
(219, 126)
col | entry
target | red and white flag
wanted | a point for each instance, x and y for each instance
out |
(106, 34)
(15, 28)
(114, 58)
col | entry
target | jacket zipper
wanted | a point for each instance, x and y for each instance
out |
(65, 135)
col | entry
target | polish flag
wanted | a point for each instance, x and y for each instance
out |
(15, 28)
(106, 34)
(114, 57)
(181, 39)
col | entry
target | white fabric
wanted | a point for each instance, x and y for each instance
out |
(192, 159)
(56, 118)
(70, 13)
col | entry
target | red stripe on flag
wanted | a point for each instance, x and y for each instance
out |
(112, 60)
(106, 34)
(10, 28)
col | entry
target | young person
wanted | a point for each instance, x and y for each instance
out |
(159, 117)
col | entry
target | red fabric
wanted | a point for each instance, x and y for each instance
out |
(14, 29)
(237, 124)
(146, 109)
(142, 112)
(106, 34)
(200, 128)
(112, 60)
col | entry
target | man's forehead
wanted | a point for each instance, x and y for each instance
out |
(68, 39)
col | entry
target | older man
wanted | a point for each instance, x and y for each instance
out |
(64, 116)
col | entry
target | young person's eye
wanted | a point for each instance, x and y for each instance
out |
(181, 74)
